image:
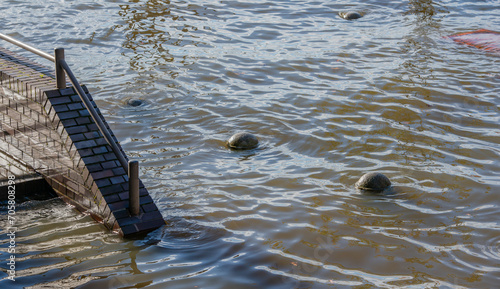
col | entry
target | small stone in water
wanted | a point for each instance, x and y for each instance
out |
(375, 182)
(134, 102)
(242, 141)
(351, 15)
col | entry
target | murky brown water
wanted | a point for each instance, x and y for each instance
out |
(329, 99)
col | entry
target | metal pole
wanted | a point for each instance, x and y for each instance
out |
(133, 187)
(27, 47)
(94, 115)
(60, 75)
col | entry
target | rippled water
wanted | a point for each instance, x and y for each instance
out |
(329, 99)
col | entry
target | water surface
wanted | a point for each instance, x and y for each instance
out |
(329, 99)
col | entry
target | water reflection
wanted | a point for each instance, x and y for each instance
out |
(144, 35)
(155, 36)
(426, 18)
(425, 9)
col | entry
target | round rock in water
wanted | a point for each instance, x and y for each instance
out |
(373, 182)
(243, 141)
(351, 15)
(134, 102)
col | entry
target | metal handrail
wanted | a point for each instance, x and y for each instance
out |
(93, 113)
(27, 47)
(61, 67)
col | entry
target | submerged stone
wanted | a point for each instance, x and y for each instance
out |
(351, 15)
(243, 141)
(375, 182)
(134, 102)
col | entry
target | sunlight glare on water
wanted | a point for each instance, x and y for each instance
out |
(329, 99)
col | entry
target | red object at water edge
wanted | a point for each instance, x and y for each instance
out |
(483, 39)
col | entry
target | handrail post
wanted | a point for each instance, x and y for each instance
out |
(60, 74)
(133, 188)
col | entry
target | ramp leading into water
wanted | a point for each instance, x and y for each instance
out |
(50, 134)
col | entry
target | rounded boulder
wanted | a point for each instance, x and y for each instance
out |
(243, 141)
(134, 102)
(350, 15)
(376, 182)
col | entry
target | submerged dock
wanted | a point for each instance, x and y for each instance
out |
(54, 135)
